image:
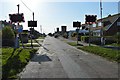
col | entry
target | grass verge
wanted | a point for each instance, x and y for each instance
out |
(29, 41)
(14, 60)
(41, 38)
(104, 52)
(29, 45)
(72, 43)
(109, 54)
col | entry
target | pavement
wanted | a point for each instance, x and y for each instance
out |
(60, 60)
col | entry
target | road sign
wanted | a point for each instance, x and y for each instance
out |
(32, 23)
(90, 19)
(20, 29)
(17, 17)
(76, 24)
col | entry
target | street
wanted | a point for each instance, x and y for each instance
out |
(60, 60)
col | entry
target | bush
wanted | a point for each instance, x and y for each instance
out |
(65, 35)
(8, 36)
(97, 39)
(74, 34)
(85, 38)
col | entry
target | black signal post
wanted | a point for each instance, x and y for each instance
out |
(32, 24)
(78, 25)
(32, 31)
(90, 19)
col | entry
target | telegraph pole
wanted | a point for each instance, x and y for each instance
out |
(41, 29)
(89, 34)
(101, 33)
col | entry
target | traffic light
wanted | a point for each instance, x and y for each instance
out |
(90, 18)
(17, 17)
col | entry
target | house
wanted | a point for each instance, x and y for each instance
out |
(109, 24)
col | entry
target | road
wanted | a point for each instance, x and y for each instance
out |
(60, 60)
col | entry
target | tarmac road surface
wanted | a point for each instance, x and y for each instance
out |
(60, 60)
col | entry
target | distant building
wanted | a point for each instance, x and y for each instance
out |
(57, 30)
(63, 29)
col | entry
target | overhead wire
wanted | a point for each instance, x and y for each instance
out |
(26, 6)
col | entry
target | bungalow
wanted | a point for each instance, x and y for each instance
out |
(109, 24)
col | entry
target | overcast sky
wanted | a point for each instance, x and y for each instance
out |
(55, 14)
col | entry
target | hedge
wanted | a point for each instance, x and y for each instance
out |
(97, 40)
(8, 36)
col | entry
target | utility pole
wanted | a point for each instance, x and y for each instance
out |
(41, 29)
(101, 33)
(89, 34)
(54, 30)
(77, 34)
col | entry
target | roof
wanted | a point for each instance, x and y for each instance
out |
(109, 16)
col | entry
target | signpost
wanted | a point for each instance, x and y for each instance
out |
(78, 25)
(32, 24)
